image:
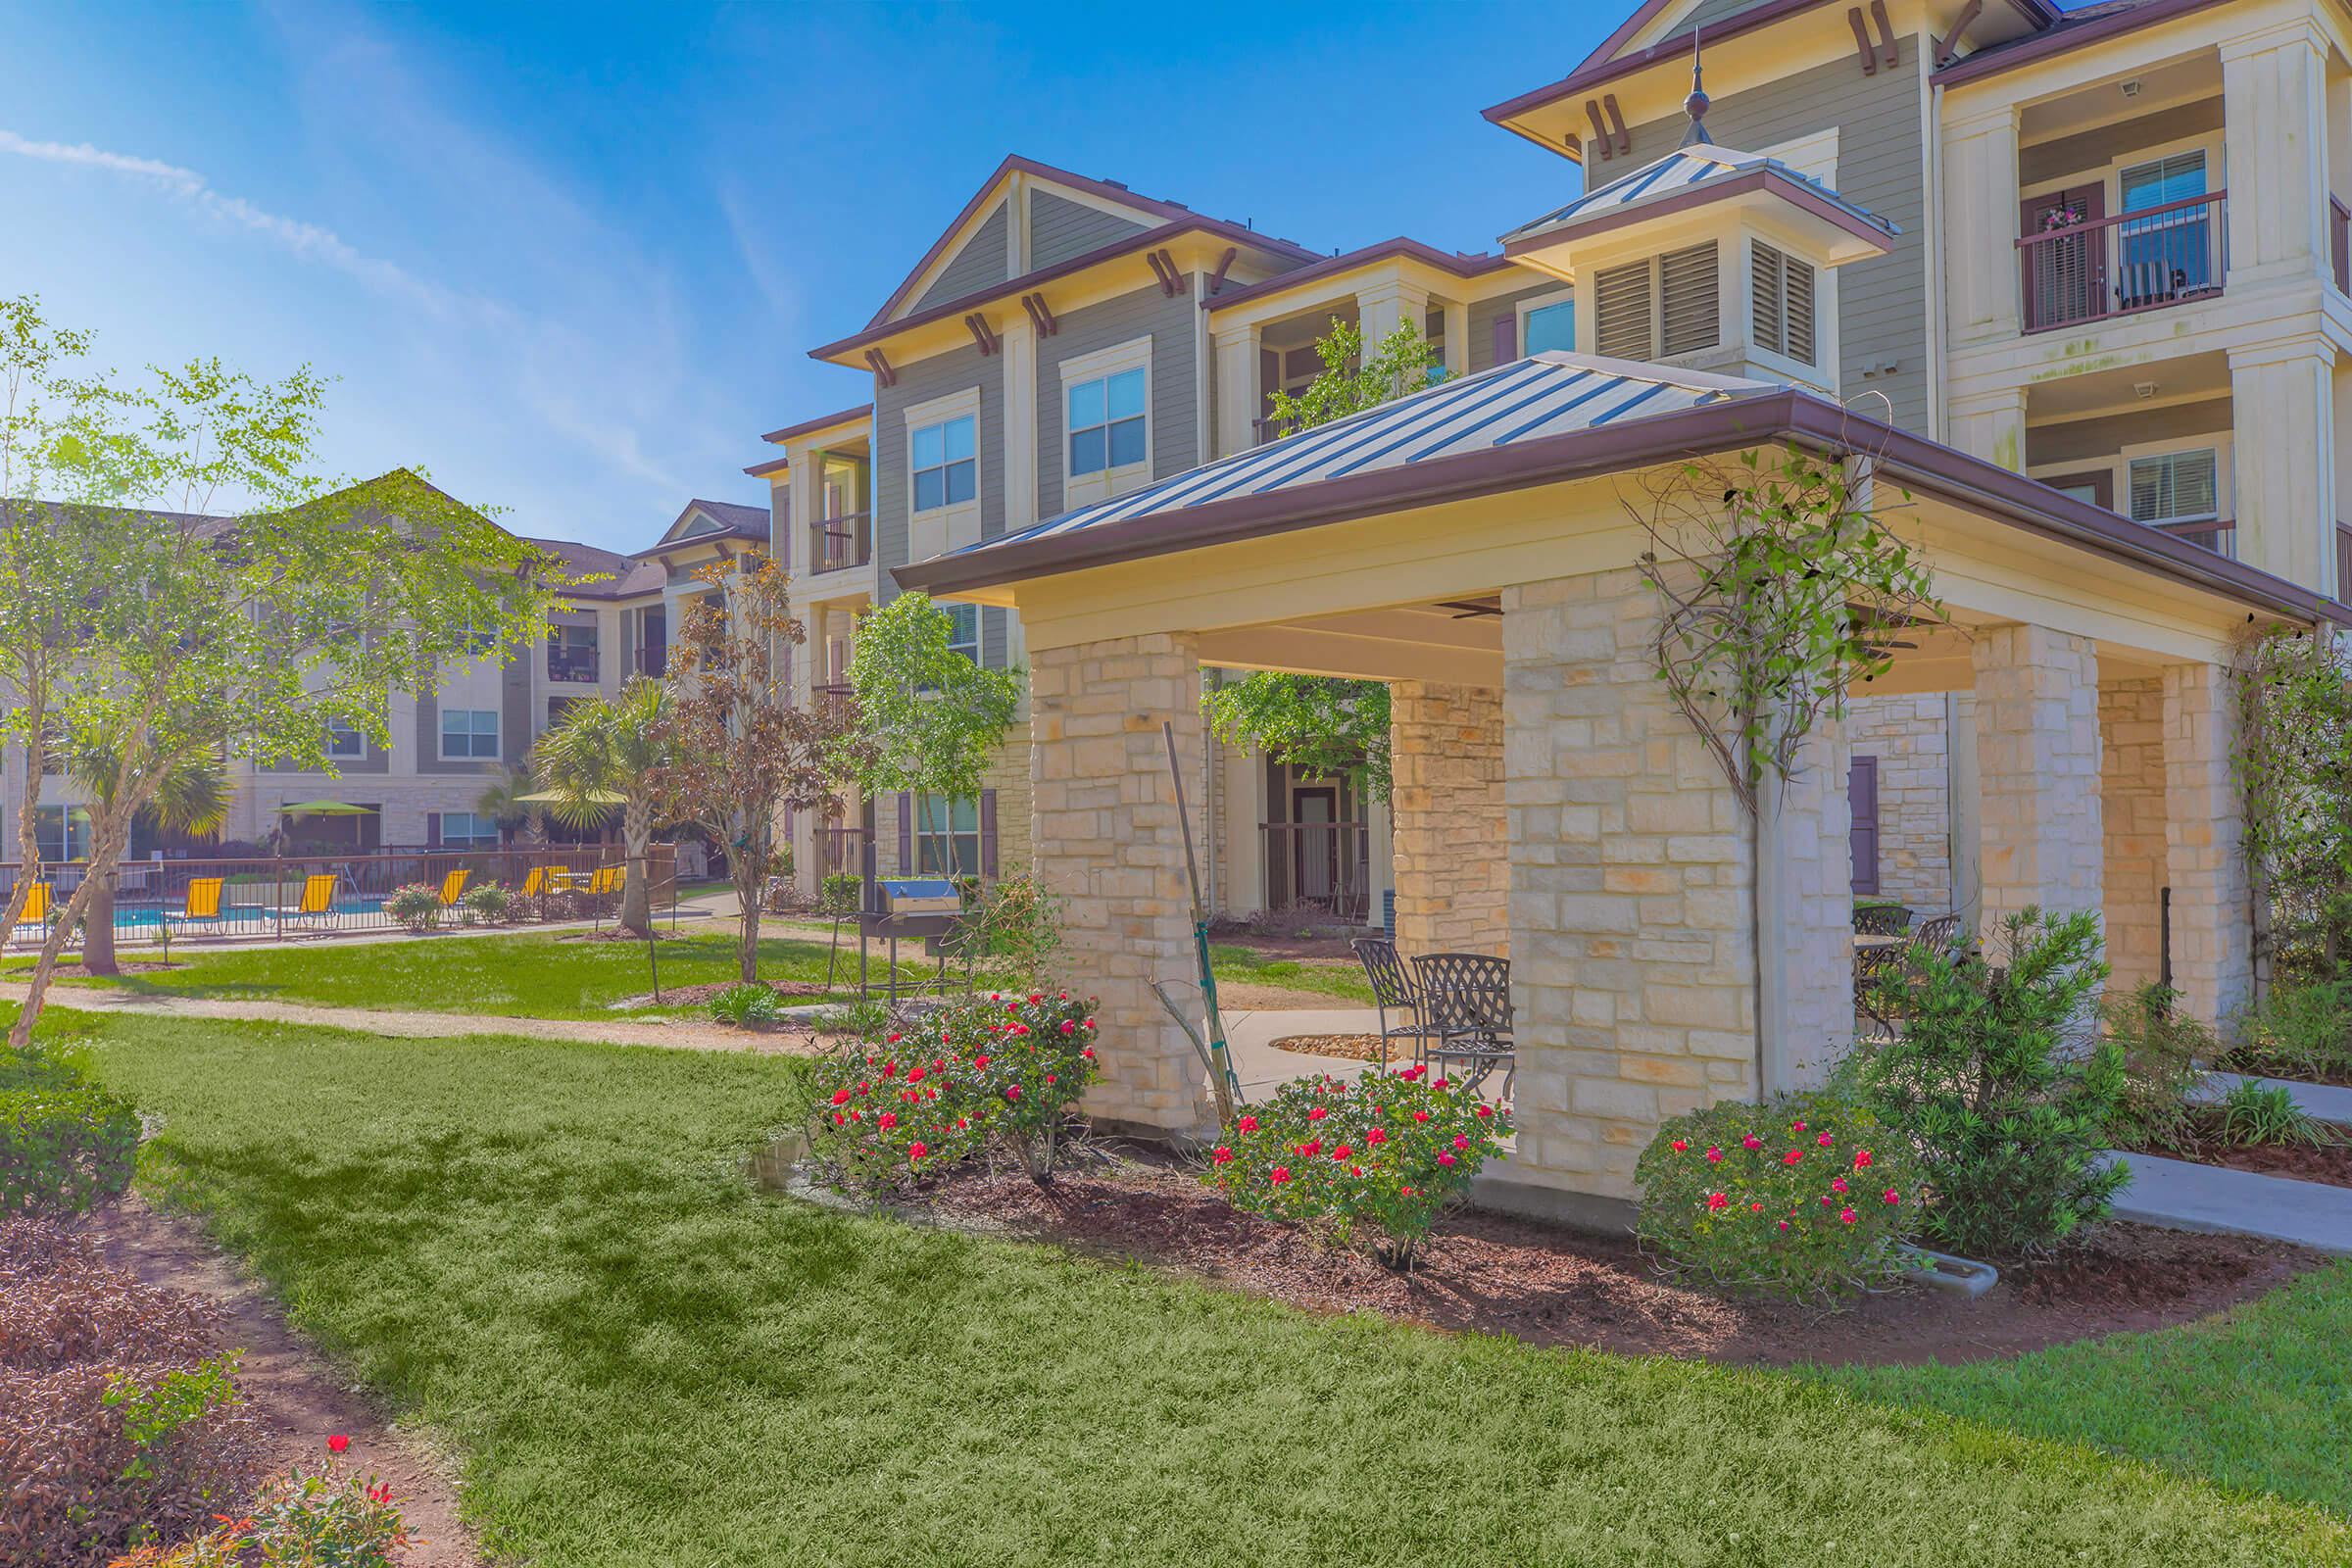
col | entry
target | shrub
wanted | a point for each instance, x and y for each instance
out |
(415, 905)
(2162, 1055)
(840, 894)
(2266, 1113)
(745, 1004)
(1997, 1080)
(85, 1478)
(66, 1146)
(2297, 1031)
(1805, 1197)
(489, 902)
(304, 1518)
(1378, 1160)
(1032, 1057)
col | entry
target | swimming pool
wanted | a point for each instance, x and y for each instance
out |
(148, 917)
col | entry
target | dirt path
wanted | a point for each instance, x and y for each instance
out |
(297, 1395)
(682, 1034)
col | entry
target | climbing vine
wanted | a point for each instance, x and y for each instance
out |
(2293, 761)
(1781, 589)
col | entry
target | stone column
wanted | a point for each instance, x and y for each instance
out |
(2275, 142)
(1982, 299)
(2282, 400)
(1806, 900)
(2205, 850)
(2037, 773)
(1103, 815)
(1631, 892)
(2132, 785)
(1447, 801)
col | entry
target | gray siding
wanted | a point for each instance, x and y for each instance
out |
(2094, 149)
(1175, 446)
(2099, 440)
(920, 382)
(1059, 229)
(1882, 303)
(1483, 313)
(979, 264)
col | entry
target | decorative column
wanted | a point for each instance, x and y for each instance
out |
(1805, 897)
(1446, 800)
(1238, 396)
(1384, 307)
(2133, 788)
(1980, 221)
(1992, 425)
(1103, 815)
(2283, 399)
(2275, 142)
(2205, 849)
(2041, 839)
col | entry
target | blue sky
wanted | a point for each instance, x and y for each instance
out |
(571, 259)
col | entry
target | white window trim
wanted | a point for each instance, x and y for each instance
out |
(935, 530)
(334, 730)
(497, 734)
(2109, 176)
(1083, 489)
(1541, 302)
(2221, 443)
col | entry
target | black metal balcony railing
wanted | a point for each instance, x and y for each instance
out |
(836, 544)
(2217, 534)
(2340, 244)
(2133, 262)
(571, 662)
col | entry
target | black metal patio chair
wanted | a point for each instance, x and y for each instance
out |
(1393, 991)
(1941, 934)
(1466, 1001)
(1880, 921)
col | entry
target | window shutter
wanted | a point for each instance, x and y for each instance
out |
(1507, 339)
(1862, 794)
(987, 834)
(905, 835)
(433, 830)
(1765, 283)
(1800, 314)
(1688, 310)
(1621, 301)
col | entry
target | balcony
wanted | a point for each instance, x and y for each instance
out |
(2079, 269)
(571, 662)
(651, 661)
(837, 544)
(2217, 534)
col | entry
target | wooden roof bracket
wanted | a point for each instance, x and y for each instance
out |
(1163, 268)
(1601, 132)
(1625, 140)
(1040, 315)
(1950, 43)
(880, 366)
(982, 333)
(1869, 56)
(1891, 56)
(1216, 281)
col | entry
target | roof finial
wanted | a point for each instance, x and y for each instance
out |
(1696, 103)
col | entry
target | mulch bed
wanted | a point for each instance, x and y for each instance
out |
(2329, 1165)
(1354, 1048)
(77, 971)
(1547, 1285)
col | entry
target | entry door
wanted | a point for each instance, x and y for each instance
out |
(2066, 278)
(1317, 808)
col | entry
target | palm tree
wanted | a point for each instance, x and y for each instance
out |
(506, 803)
(193, 798)
(605, 752)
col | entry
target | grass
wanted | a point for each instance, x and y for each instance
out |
(523, 976)
(1341, 978)
(549, 1254)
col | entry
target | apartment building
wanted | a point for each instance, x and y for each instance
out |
(2104, 248)
(446, 746)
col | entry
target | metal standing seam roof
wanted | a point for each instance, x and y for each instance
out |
(1681, 171)
(1545, 394)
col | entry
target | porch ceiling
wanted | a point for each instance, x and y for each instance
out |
(1457, 641)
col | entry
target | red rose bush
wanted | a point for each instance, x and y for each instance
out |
(1378, 1160)
(1805, 1197)
(936, 1089)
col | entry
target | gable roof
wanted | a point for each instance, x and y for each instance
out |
(2084, 26)
(728, 520)
(1699, 170)
(1459, 264)
(1151, 211)
(618, 577)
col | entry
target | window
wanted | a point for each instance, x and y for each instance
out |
(2176, 487)
(1106, 423)
(1549, 324)
(963, 630)
(2171, 253)
(469, 830)
(343, 740)
(470, 733)
(947, 837)
(1658, 309)
(1783, 287)
(63, 833)
(945, 463)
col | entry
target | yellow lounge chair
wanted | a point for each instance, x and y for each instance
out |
(534, 882)
(452, 887)
(318, 898)
(200, 905)
(35, 913)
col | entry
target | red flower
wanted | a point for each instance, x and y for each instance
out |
(1846, 1214)
(1404, 1191)
(1793, 1156)
(1752, 1142)
(915, 1075)
(916, 1150)
(1681, 1146)
(1013, 1091)
(1824, 1140)
(1050, 1078)
(979, 1062)
(895, 1039)
(1894, 1196)
(1861, 1159)
(1783, 1224)
(1461, 1141)
(1037, 996)
(380, 1494)
(1090, 1023)
(1069, 1026)
(1311, 1148)
(889, 1069)
(887, 1120)
(337, 1443)
(1436, 1083)
(1446, 1159)
(1484, 1111)
(1316, 1113)
(1378, 1135)
(1279, 1174)
(1714, 1155)
(1248, 1124)
(1088, 1052)
(1224, 1155)
(1798, 1125)
(1343, 1152)
(1836, 1183)
(841, 1097)
(1420, 1115)
(1717, 1200)
(1755, 1208)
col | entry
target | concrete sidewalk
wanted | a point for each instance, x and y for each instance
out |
(2183, 1196)
(1250, 1037)
(2327, 1101)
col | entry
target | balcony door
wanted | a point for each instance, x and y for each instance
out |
(2168, 254)
(2065, 275)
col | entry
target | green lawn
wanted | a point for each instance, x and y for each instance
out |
(523, 976)
(549, 1254)
(1340, 978)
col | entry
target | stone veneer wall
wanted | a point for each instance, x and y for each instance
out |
(1633, 950)
(1104, 818)
(2132, 810)
(1451, 849)
(1909, 738)
(1008, 775)
(2038, 771)
(1809, 1022)
(2213, 932)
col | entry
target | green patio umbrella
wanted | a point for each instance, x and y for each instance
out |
(325, 808)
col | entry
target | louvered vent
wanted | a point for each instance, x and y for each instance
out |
(1688, 314)
(1621, 302)
(1800, 314)
(1766, 285)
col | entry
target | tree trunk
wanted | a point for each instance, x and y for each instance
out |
(106, 854)
(636, 892)
(745, 878)
(98, 937)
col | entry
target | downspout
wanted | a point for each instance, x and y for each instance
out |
(1930, 116)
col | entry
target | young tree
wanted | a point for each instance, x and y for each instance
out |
(1320, 723)
(606, 752)
(246, 604)
(930, 718)
(504, 800)
(738, 748)
(193, 798)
